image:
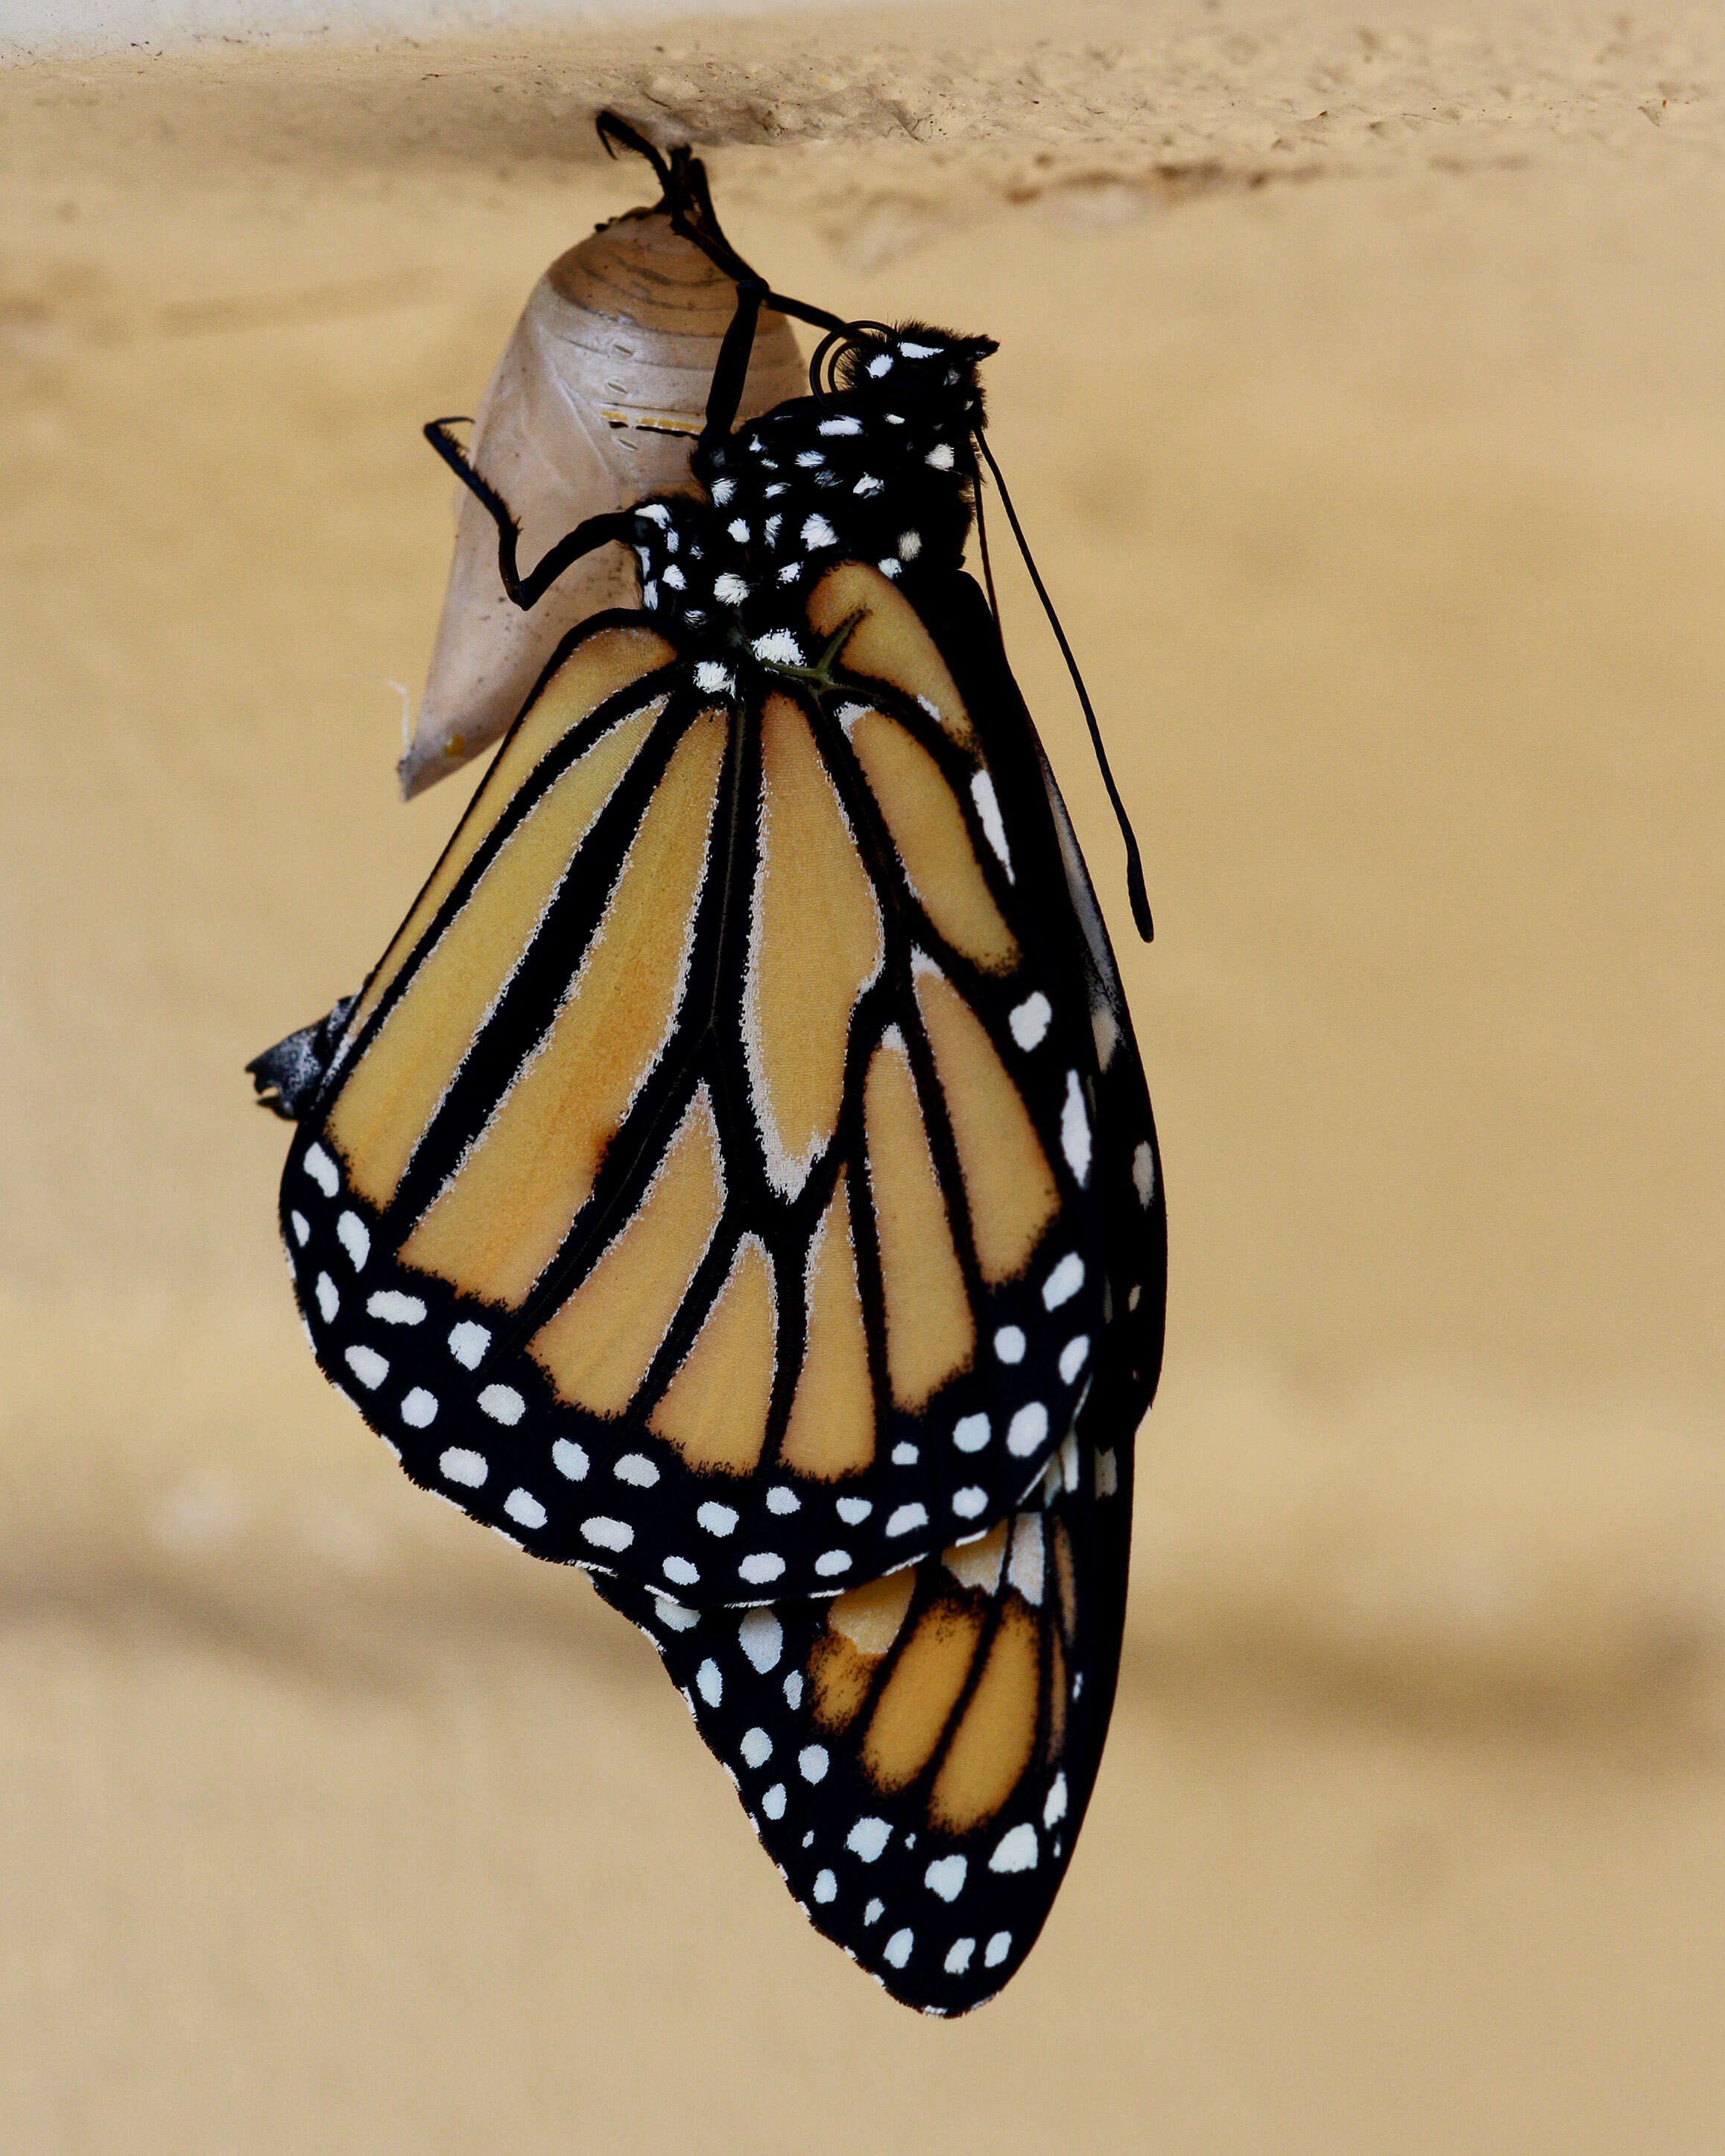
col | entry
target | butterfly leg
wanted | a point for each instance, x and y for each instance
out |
(526, 591)
(731, 370)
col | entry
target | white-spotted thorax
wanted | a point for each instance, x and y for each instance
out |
(879, 470)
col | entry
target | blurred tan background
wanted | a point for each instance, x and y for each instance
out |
(1363, 386)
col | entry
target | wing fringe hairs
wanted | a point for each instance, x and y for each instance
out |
(737, 1176)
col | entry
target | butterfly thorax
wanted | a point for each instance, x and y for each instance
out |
(880, 470)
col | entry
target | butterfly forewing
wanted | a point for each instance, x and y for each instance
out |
(704, 1186)
(917, 1756)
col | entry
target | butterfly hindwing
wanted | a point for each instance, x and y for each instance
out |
(704, 1187)
(917, 1754)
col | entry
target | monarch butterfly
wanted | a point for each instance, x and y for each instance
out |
(737, 1176)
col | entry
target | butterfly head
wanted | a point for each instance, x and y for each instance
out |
(913, 375)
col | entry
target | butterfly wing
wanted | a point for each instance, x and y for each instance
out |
(704, 1186)
(917, 1756)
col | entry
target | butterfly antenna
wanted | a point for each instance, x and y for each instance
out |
(1135, 890)
(982, 541)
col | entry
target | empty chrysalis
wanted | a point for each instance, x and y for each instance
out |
(594, 405)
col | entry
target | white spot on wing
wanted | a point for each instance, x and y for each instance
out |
(606, 1534)
(709, 1683)
(831, 1562)
(418, 1410)
(1073, 1358)
(897, 1948)
(868, 1838)
(1016, 1852)
(394, 1308)
(329, 1302)
(524, 1508)
(716, 1519)
(988, 808)
(1055, 1808)
(761, 1638)
(812, 1763)
(503, 1403)
(1074, 1129)
(761, 1567)
(1144, 1173)
(318, 1165)
(971, 1433)
(970, 1503)
(459, 1465)
(1009, 1343)
(1027, 1430)
(467, 1342)
(906, 1519)
(351, 1233)
(368, 1366)
(998, 1948)
(756, 1748)
(1064, 1282)
(1029, 1021)
(635, 1467)
(570, 1460)
(945, 1876)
